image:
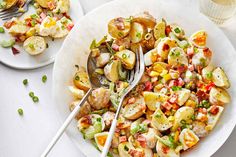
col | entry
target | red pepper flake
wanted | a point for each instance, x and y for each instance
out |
(166, 47)
(202, 110)
(167, 30)
(207, 52)
(202, 95)
(15, 51)
(182, 68)
(214, 110)
(165, 149)
(209, 86)
(148, 86)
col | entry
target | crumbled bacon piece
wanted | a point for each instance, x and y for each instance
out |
(166, 47)
(167, 30)
(167, 105)
(131, 100)
(180, 82)
(115, 47)
(202, 95)
(122, 139)
(15, 51)
(142, 140)
(173, 99)
(148, 86)
(214, 110)
(173, 83)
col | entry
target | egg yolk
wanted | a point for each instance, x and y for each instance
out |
(102, 140)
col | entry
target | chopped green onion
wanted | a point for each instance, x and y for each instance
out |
(58, 11)
(175, 88)
(124, 56)
(31, 46)
(126, 148)
(177, 54)
(99, 119)
(195, 50)
(158, 115)
(109, 154)
(7, 44)
(34, 16)
(31, 94)
(193, 117)
(2, 30)
(183, 122)
(120, 34)
(209, 75)
(25, 81)
(177, 30)
(20, 111)
(77, 78)
(138, 35)
(35, 99)
(44, 78)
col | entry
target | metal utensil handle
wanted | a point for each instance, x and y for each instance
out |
(65, 124)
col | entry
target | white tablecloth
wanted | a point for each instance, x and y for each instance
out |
(27, 136)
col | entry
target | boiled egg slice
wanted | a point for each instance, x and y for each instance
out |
(188, 138)
(100, 139)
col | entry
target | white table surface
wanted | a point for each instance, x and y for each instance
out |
(28, 136)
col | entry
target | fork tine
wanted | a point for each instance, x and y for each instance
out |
(8, 10)
(11, 16)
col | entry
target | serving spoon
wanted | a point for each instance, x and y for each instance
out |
(97, 81)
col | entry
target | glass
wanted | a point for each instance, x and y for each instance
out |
(218, 10)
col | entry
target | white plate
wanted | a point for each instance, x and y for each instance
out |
(23, 60)
(94, 25)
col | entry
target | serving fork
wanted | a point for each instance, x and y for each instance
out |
(15, 11)
(133, 80)
(97, 81)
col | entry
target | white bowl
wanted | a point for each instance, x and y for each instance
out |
(94, 25)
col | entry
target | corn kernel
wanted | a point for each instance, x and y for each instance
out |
(167, 77)
(154, 74)
(158, 68)
(191, 103)
(208, 128)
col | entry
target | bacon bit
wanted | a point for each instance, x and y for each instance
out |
(131, 100)
(207, 52)
(119, 23)
(191, 67)
(15, 51)
(173, 99)
(166, 105)
(165, 149)
(117, 130)
(135, 153)
(86, 121)
(209, 86)
(43, 15)
(180, 82)
(115, 47)
(190, 51)
(214, 110)
(167, 30)
(202, 95)
(165, 47)
(51, 5)
(9, 24)
(122, 139)
(202, 110)
(70, 26)
(175, 106)
(148, 86)
(146, 121)
(182, 68)
(142, 140)
(173, 83)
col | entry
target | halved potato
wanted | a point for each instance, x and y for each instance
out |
(165, 151)
(213, 119)
(184, 113)
(100, 98)
(111, 71)
(159, 30)
(77, 93)
(9, 4)
(81, 80)
(127, 58)
(177, 57)
(219, 96)
(149, 57)
(150, 137)
(160, 121)
(62, 6)
(124, 148)
(188, 138)
(34, 45)
(102, 59)
(45, 3)
(119, 27)
(202, 58)
(153, 100)
(137, 32)
(183, 95)
(164, 47)
(135, 110)
(18, 29)
(207, 73)
(219, 78)
(146, 19)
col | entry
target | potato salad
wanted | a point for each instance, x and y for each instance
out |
(50, 19)
(178, 101)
